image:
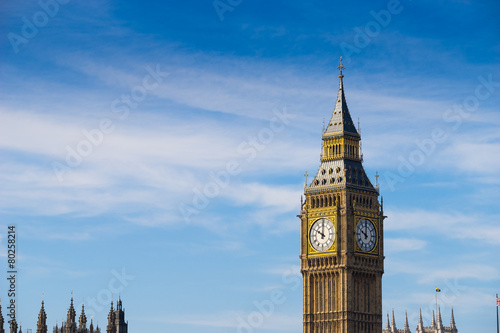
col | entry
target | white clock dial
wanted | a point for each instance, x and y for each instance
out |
(366, 235)
(322, 234)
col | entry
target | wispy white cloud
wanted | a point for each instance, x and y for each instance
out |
(465, 271)
(235, 319)
(428, 273)
(393, 245)
(285, 270)
(454, 225)
(282, 198)
(171, 160)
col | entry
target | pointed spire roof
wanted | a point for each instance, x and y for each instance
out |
(42, 308)
(439, 320)
(393, 323)
(71, 312)
(111, 310)
(433, 323)
(388, 325)
(452, 321)
(341, 122)
(407, 326)
(420, 326)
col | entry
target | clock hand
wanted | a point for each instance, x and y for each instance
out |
(364, 233)
(322, 234)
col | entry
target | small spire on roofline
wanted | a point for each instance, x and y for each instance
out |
(341, 68)
(452, 321)
(407, 326)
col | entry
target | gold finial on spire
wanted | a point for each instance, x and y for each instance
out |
(341, 68)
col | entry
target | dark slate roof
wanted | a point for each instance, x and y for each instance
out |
(341, 122)
(340, 174)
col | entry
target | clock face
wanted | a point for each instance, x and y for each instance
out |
(322, 234)
(366, 235)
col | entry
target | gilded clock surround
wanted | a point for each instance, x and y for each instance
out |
(333, 248)
(342, 285)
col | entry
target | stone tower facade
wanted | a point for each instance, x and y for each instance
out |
(342, 256)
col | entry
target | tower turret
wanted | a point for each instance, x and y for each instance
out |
(71, 318)
(13, 326)
(41, 326)
(433, 323)
(342, 257)
(82, 321)
(388, 325)
(407, 326)
(111, 328)
(120, 324)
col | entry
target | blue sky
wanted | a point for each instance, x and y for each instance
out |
(115, 116)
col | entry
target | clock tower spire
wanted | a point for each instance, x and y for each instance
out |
(342, 259)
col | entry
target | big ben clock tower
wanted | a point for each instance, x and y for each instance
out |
(342, 254)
